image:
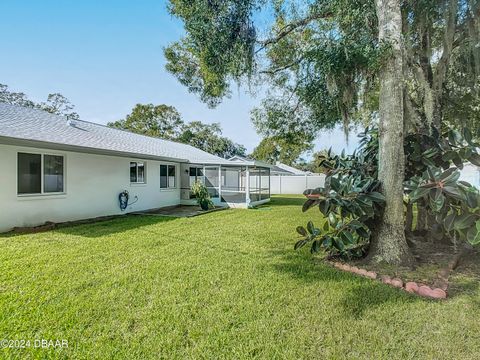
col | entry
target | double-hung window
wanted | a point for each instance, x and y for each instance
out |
(167, 176)
(196, 174)
(137, 172)
(40, 174)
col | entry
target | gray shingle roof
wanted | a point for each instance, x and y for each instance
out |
(17, 122)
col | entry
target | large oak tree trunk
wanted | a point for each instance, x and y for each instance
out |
(389, 243)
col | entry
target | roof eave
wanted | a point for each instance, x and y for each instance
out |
(82, 149)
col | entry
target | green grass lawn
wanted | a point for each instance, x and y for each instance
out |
(225, 285)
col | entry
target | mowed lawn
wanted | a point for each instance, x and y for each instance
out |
(225, 285)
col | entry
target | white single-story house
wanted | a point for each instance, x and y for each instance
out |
(56, 169)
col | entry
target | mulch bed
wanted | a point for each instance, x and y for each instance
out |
(431, 277)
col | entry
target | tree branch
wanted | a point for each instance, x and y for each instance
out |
(289, 28)
(281, 68)
(448, 41)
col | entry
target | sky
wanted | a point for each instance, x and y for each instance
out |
(106, 56)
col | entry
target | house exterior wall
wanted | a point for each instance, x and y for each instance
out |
(294, 184)
(92, 184)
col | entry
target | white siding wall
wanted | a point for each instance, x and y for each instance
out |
(295, 184)
(92, 185)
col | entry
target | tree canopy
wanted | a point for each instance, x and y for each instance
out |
(55, 104)
(165, 122)
(161, 121)
(208, 138)
(273, 149)
(320, 60)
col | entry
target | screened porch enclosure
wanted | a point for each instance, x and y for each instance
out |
(231, 185)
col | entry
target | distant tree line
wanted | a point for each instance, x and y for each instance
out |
(160, 121)
(165, 122)
(56, 103)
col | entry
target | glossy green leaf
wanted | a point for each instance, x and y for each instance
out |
(347, 237)
(437, 201)
(454, 192)
(467, 135)
(419, 193)
(464, 221)
(308, 204)
(327, 243)
(475, 159)
(472, 199)
(473, 236)
(324, 206)
(332, 219)
(449, 221)
(310, 228)
(362, 233)
(315, 247)
(301, 230)
(338, 243)
(326, 226)
(376, 197)
(299, 244)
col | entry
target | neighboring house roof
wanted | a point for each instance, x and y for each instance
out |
(278, 169)
(33, 127)
(275, 170)
(290, 169)
(246, 161)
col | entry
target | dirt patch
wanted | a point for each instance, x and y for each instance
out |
(34, 229)
(430, 259)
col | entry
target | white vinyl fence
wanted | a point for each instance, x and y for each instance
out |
(294, 184)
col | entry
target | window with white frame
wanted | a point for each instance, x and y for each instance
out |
(40, 174)
(137, 172)
(167, 176)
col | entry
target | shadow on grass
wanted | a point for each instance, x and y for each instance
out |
(370, 294)
(464, 286)
(359, 295)
(95, 229)
(115, 226)
(286, 200)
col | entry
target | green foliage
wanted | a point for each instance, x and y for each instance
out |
(165, 122)
(208, 138)
(319, 60)
(287, 151)
(446, 149)
(200, 192)
(161, 121)
(432, 181)
(349, 202)
(351, 199)
(218, 47)
(463, 92)
(56, 103)
(454, 203)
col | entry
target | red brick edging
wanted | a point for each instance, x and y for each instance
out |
(411, 287)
